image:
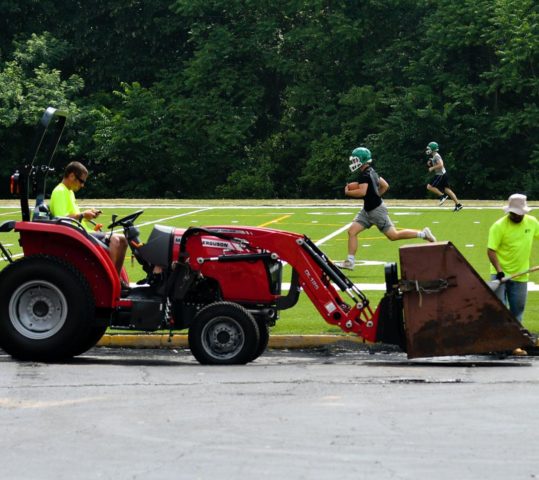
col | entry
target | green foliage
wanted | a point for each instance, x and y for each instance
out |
(252, 98)
(29, 82)
(127, 159)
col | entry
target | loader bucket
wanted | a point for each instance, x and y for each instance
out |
(449, 309)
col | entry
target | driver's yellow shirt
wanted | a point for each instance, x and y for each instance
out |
(63, 204)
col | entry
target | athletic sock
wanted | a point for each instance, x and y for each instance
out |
(351, 258)
(420, 234)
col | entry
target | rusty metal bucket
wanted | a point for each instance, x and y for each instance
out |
(449, 309)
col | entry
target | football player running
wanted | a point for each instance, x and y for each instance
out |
(440, 183)
(371, 187)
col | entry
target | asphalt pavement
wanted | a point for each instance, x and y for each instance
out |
(336, 411)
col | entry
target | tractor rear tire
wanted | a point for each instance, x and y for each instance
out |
(93, 336)
(224, 333)
(46, 309)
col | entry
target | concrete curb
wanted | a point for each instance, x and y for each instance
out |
(165, 341)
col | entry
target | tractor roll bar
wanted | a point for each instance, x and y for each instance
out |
(27, 172)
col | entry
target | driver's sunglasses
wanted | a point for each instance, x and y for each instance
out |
(81, 181)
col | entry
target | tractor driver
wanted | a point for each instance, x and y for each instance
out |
(63, 204)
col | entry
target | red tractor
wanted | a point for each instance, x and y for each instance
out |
(223, 284)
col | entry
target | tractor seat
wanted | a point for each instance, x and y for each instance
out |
(41, 213)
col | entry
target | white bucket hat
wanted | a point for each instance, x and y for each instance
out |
(517, 204)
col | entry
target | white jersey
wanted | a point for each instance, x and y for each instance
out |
(436, 159)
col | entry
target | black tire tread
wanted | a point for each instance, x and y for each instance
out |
(55, 348)
(195, 344)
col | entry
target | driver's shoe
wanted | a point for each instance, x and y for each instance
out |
(125, 285)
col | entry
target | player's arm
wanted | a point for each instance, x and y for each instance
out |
(359, 192)
(383, 186)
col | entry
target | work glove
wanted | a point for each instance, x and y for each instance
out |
(500, 275)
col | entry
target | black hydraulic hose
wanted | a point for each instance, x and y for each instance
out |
(245, 257)
(341, 280)
(323, 265)
(6, 253)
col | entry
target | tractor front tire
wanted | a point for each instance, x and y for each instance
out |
(264, 331)
(46, 309)
(224, 333)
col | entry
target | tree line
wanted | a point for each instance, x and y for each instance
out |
(266, 99)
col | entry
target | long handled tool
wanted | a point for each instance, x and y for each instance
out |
(495, 284)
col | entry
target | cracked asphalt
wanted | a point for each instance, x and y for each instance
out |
(338, 412)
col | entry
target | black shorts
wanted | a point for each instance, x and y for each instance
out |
(103, 237)
(99, 235)
(441, 182)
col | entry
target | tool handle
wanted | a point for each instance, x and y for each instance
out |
(515, 275)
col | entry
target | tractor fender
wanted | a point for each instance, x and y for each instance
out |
(87, 254)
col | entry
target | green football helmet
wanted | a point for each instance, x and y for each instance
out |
(360, 156)
(432, 147)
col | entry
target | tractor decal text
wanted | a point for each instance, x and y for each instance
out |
(314, 283)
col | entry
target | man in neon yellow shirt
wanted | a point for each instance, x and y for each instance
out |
(64, 204)
(510, 241)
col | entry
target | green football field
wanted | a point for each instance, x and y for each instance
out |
(325, 224)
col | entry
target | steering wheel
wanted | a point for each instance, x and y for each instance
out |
(127, 219)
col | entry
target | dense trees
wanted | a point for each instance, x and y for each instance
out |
(259, 98)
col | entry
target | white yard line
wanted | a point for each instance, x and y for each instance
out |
(331, 235)
(175, 216)
(345, 206)
(532, 286)
(12, 256)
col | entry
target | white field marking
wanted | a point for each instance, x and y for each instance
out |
(361, 286)
(407, 213)
(314, 221)
(477, 221)
(9, 213)
(260, 207)
(435, 221)
(365, 245)
(174, 216)
(12, 256)
(532, 287)
(331, 235)
(331, 213)
(328, 237)
(368, 263)
(469, 245)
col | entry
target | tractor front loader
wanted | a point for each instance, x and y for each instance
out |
(223, 284)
